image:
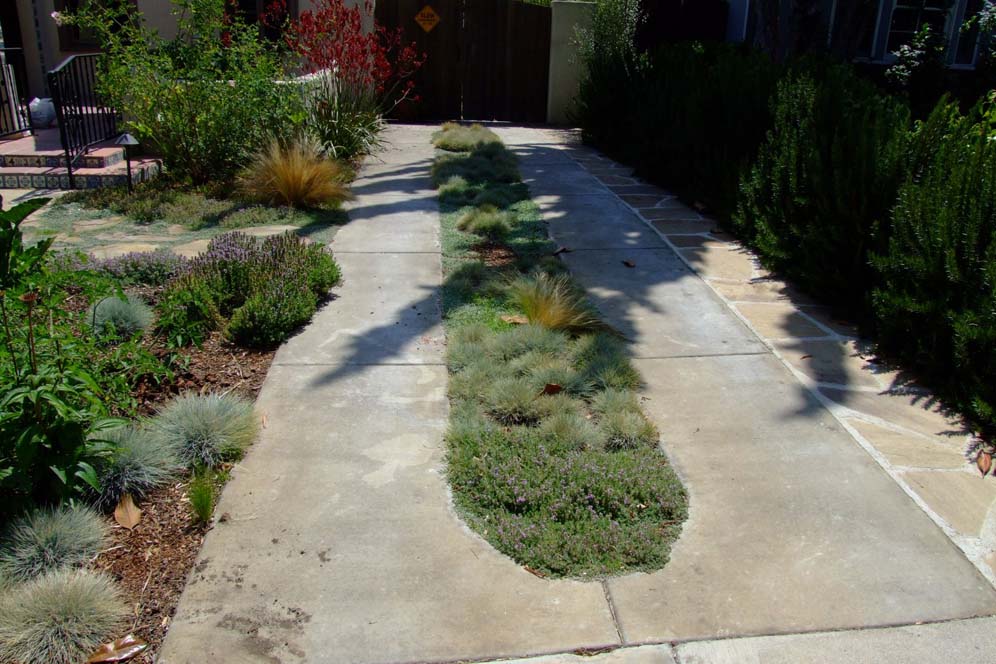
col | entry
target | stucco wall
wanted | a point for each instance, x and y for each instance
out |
(565, 68)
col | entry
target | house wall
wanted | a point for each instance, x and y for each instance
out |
(565, 69)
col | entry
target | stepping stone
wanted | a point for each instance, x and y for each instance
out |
(717, 260)
(779, 321)
(760, 290)
(826, 317)
(961, 499)
(191, 249)
(680, 226)
(831, 361)
(266, 231)
(121, 248)
(910, 450)
(670, 211)
(96, 224)
(916, 411)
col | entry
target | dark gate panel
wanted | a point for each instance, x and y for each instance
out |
(485, 59)
(528, 63)
(437, 83)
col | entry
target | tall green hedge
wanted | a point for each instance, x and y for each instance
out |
(935, 305)
(691, 116)
(825, 178)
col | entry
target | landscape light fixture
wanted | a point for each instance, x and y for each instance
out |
(127, 140)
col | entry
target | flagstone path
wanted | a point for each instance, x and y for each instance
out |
(339, 543)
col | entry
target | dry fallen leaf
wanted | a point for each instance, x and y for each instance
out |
(984, 461)
(552, 388)
(515, 319)
(562, 250)
(127, 513)
(263, 421)
(629, 263)
(118, 651)
(534, 572)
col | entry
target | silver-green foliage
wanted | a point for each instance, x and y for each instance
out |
(49, 539)
(206, 430)
(59, 618)
(143, 460)
(120, 317)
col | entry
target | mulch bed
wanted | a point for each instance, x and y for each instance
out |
(152, 561)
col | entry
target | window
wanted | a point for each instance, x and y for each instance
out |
(909, 16)
(967, 40)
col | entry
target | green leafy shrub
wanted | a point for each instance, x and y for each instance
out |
(202, 495)
(268, 288)
(141, 461)
(345, 120)
(187, 311)
(272, 314)
(205, 100)
(59, 618)
(119, 317)
(17, 262)
(935, 307)
(50, 539)
(206, 430)
(824, 181)
(150, 268)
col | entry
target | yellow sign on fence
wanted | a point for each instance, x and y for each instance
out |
(427, 18)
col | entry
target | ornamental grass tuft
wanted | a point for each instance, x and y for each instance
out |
(59, 618)
(143, 460)
(50, 539)
(207, 430)
(121, 318)
(554, 303)
(296, 174)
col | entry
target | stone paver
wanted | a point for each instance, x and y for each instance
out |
(845, 363)
(779, 321)
(910, 450)
(121, 248)
(960, 498)
(718, 260)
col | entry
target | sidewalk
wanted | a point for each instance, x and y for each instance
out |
(339, 543)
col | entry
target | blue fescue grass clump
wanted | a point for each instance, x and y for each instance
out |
(549, 454)
(206, 430)
(50, 539)
(142, 460)
(61, 617)
(119, 317)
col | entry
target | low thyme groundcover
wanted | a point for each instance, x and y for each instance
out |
(549, 455)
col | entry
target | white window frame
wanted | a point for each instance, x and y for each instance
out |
(952, 24)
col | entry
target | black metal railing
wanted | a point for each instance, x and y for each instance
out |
(14, 115)
(84, 119)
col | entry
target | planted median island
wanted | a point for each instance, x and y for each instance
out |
(550, 456)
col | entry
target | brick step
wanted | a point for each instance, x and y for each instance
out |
(45, 177)
(100, 157)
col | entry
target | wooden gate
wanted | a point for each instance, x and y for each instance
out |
(485, 59)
